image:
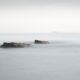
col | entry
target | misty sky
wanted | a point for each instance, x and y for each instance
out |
(29, 16)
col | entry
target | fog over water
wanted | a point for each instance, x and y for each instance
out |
(59, 60)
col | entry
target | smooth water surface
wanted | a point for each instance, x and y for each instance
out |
(59, 60)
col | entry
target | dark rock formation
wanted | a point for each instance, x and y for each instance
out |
(40, 42)
(13, 45)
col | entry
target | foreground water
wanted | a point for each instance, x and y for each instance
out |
(59, 60)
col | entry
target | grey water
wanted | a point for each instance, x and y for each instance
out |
(58, 60)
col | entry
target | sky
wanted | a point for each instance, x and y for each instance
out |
(39, 16)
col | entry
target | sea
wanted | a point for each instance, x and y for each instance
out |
(57, 60)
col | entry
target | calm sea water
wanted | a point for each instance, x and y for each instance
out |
(59, 60)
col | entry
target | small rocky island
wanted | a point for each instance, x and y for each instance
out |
(14, 45)
(21, 45)
(40, 42)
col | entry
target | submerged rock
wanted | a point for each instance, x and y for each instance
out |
(13, 45)
(40, 42)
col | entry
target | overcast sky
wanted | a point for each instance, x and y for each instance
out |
(29, 16)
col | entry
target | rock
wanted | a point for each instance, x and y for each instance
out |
(40, 42)
(13, 45)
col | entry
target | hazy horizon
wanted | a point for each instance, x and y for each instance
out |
(39, 16)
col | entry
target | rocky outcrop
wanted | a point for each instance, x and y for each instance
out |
(21, 45)
(40, 42)
(13, 45)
